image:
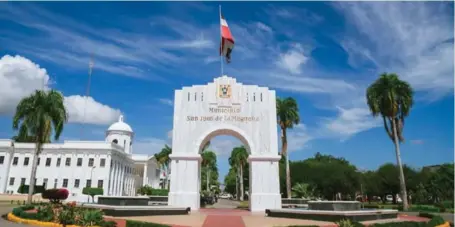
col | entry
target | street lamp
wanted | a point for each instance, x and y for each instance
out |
(91, 175)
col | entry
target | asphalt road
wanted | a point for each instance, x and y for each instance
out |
(4, 209)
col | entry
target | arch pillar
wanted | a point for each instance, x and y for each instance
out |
(185, 181)
(264, 191)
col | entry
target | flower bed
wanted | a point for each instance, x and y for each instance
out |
(59, 215)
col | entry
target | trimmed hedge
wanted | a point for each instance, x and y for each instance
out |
(21, 212)
(55, 195)
(92, 192)
(131, 223)
(23, 189)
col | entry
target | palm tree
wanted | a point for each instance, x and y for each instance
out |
(37, 116)
(238, 158)
(287, 113)
(209, 163)
(392, 99)
(163, 160)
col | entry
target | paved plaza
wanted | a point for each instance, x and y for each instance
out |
(221, 214)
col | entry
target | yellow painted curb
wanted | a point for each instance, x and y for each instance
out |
(447, 224)
(11, 217)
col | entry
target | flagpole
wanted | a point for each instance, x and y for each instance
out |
(221, 40)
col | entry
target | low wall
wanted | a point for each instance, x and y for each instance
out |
(124, 200)
(334, 205)
(15, 197)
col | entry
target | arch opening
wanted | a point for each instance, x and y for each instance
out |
(224, 132)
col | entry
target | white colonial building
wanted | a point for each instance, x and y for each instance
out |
(108, 164)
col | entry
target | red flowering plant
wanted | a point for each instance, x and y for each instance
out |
(55, 195)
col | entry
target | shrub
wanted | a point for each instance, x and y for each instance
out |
(90, 217)
(426, 215)
(92, 192)
(23, 189)
(160, 192)
(130, 223)
(21, 212)
(45, 213)
(448, 204)
(345, 223)
(435, 221)
(55, 195)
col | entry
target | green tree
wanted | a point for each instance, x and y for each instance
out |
(370, 185)
(238, 159)
(163, 160)
(327, 175)
(287, 115)
(230, 182)
(209, 165)
(38, 115)
(392, 99)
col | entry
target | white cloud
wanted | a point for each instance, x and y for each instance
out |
(166, 101)
(293, 59)
(86, 110)
(298, 138)
(349, 122)
(20, 77)
(413, 39)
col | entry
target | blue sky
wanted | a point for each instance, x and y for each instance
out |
(324, 54)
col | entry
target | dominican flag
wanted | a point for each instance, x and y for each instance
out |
(227, 40)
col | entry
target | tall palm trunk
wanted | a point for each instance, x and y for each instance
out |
(31, 187)
(237, 185)
(404, 196)
(166, 178)
(241, 182)
(208, 177)
(284, 151)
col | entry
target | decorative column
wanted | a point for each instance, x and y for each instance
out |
(264, 183)
(110, 182)
(122, 180)
(184, 190)
(145, 177)
(9, 157)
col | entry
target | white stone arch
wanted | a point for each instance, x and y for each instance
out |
(247, 112)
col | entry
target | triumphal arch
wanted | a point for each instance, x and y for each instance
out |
(225, 107)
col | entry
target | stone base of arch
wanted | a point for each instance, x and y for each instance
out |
(264, 182)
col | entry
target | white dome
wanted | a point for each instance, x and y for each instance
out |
(120, 126)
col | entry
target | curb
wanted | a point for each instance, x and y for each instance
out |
(11, 217)
(446, 224)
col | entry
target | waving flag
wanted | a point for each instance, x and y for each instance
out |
(227, 40)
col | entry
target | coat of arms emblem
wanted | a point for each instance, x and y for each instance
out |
(224, 91)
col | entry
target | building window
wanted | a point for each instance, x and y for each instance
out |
(48, 161)
(11, 181)
(157, 173)
(22, 181)
(39, 159)
(45, 182)
(90, 162)
(2, 159)
(100, 183)
(76, 183)
(88, 183)
(102, 162)
(26, 160)
(68, 162)
(58, 161)
(65, 183)
(115, 141)
(79, 161)
(15, 161)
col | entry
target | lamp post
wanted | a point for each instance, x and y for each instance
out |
(91, 176)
